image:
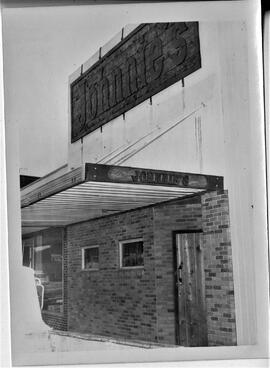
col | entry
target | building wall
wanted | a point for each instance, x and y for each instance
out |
(183, 119)
(112, 301)
(139, 304)
(218, 267)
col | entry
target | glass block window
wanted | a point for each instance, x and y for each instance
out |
(90, 258)
(131, 253)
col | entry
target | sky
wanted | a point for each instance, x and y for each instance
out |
(42, 47)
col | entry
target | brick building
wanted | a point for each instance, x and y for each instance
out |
(132, 238)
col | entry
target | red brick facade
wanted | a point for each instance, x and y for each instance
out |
(139, 304)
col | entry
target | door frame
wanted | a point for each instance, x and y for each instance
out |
(176, 301)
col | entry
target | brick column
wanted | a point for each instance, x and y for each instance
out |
(65, 280)
(219, 289)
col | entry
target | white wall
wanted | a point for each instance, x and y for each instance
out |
(203, 127)
(141, 138)
(237, 141)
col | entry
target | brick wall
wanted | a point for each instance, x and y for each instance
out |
(178, 215)
(218, 269)
(112, 301)
(139, 304)
(132, 304)
(55, 321)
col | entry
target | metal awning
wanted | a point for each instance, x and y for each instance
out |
(94, 190)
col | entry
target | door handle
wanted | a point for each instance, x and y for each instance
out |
(180, 280)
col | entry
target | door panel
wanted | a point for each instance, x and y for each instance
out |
(192, 325)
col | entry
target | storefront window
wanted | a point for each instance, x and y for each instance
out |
(43, 253)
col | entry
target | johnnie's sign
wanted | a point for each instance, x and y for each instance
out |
(149, 59)
(135, 175)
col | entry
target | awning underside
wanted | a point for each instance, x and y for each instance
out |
(91, 199)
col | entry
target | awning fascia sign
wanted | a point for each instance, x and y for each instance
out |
(133, 175)
(120, 174)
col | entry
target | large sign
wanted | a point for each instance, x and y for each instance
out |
(151, 58)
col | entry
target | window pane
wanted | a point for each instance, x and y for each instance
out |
(132, 254)
(27, 251)
(43, 252)
(91, 258)
(51, 260)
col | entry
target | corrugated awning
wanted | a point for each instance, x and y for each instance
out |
(94, 190)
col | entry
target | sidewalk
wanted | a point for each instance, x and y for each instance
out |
(72, 341)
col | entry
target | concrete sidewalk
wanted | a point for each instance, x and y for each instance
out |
(72, 341)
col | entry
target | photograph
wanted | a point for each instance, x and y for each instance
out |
(136, 182)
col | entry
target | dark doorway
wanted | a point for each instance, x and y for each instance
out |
(190, 289)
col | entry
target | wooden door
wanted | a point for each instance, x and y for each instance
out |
(192, 327)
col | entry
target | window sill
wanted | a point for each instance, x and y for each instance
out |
(90, 269)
